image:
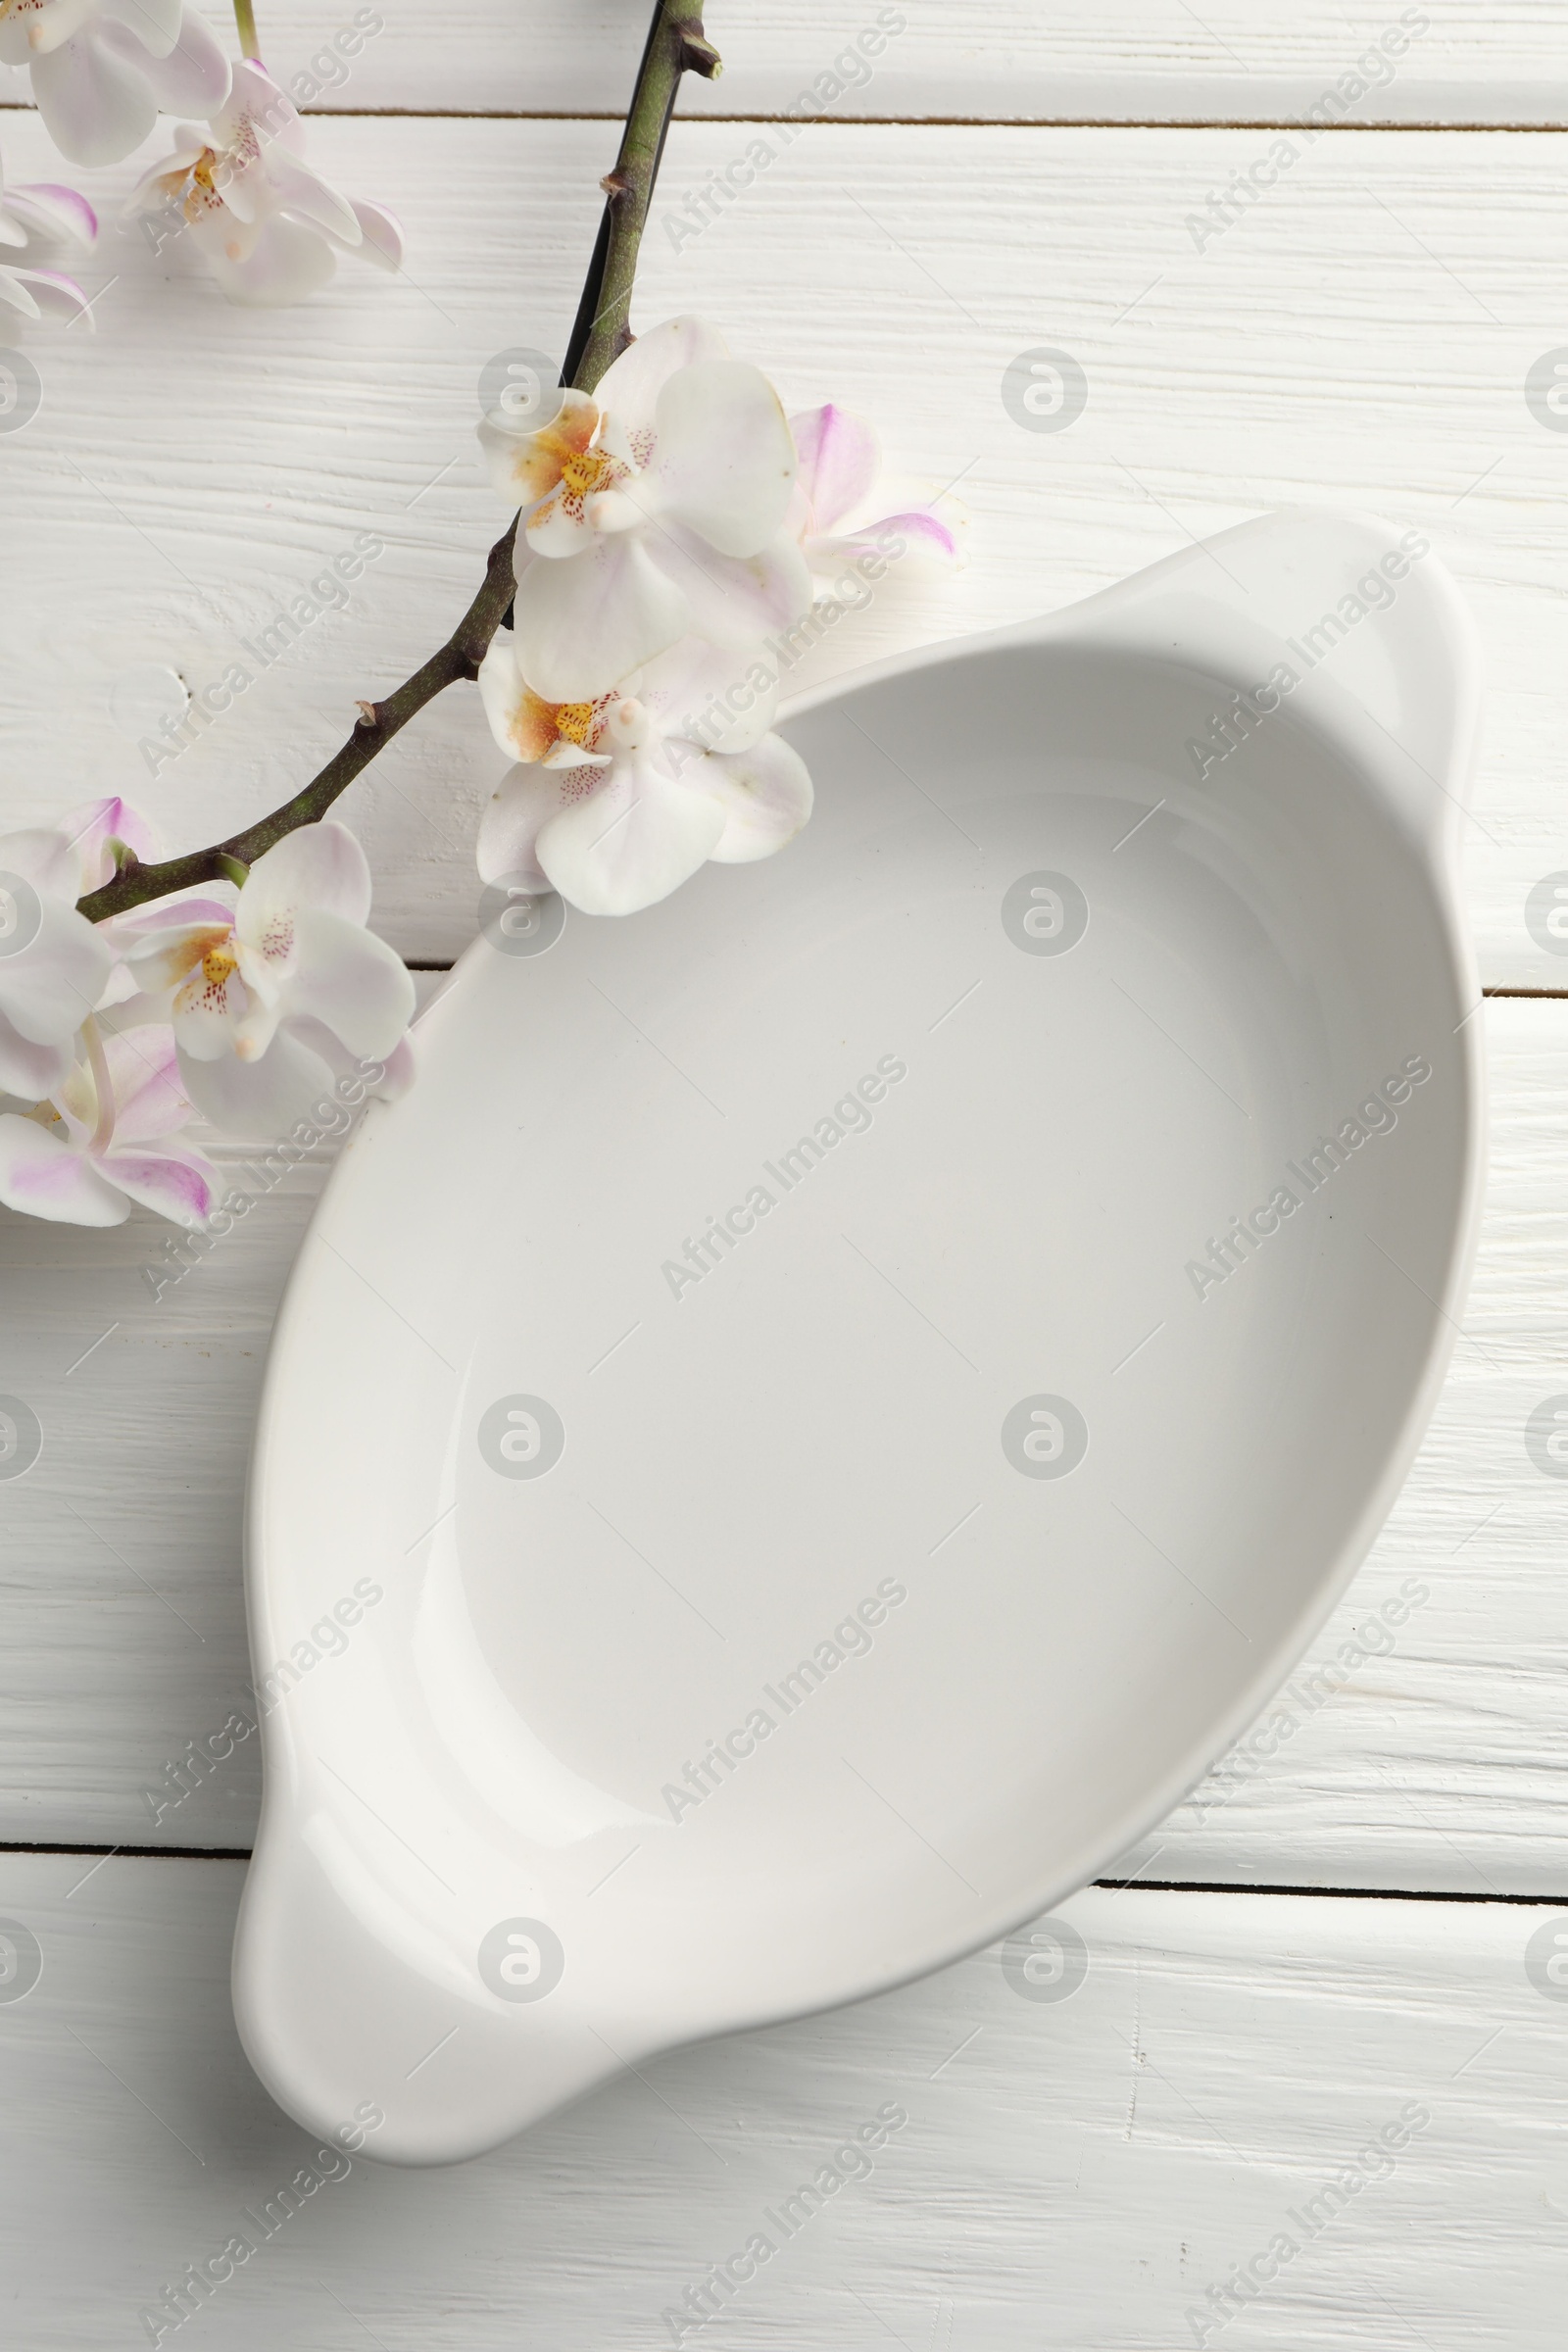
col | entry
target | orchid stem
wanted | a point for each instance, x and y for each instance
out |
(675, 46)
(245, 20)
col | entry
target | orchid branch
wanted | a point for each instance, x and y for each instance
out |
(675, 46)
(245, 21)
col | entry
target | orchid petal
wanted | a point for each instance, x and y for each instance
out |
(381, 239)
(316, 865)
(163, 956)
(725, 461)
(193, 76)
(581, 625)
(60, 293)
(765, 795)
(713, 695)
(150, 1102)
(352, 982)
(929, 544)
(630, 387)
(631, 842)
(96, 104)
(310, 198)
(734, 599)
(14, 291)
(32, 1070)
(522, 722)
(269, 269)
(178, 1183)
(42, 856)
(61, 211)
(208, 1011)
(508, 830)
(560, 526)
(397, 1067)
(163, 181)
(93, 827)
(526, 460)
(839, 460)
(41, 1175)
(49, 986)
(257, 1099)
(156, 23)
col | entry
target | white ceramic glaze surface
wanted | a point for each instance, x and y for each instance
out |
(962, 1464)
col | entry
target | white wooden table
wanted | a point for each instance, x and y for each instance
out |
(1334, 1931)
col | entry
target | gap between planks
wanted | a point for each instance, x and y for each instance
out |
(1134, 1885)
(835, 121)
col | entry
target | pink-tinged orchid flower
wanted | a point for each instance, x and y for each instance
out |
(654, 510)
(616, 804)
(833, 510)
(105, 1140)
(271, 988)
(267, 224)
(102, 69)
(51, 212)
(54, 966)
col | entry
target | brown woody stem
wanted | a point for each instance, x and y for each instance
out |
(675, 46)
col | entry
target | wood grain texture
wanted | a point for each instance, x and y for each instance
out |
(1144, 61)
(1074, 2175)
(1427, 1760)
(1360, 337)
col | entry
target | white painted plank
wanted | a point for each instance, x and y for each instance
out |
(1430, 1764)
(1072, 2174)
(1361, 337)
(1044, 59)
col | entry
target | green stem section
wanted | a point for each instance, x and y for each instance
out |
(602, 330)
(675, 46)
(245, 20)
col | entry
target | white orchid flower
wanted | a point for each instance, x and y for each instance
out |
(653, 511)
(105, 1140)
(274, 988)
(51, 212)
(833, 506)
(102, 69)
(53, 964)
(616, 802)
(270, 226)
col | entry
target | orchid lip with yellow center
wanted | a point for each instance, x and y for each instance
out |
(589, 470)
(207, 948)
(575, 721)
